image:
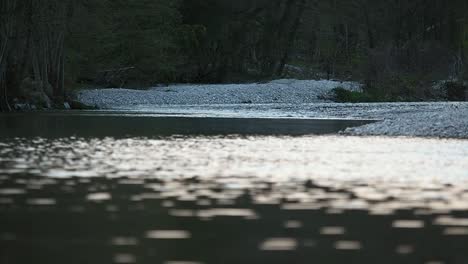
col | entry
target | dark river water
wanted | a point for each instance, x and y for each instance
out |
(113, 188)
(118, 124)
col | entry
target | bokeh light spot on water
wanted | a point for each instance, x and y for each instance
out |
(348, 245)
(182, 262)
(11, 191)
(168, 234)
(279, 244)
(182, 213)
(293, 224)
(97, 197)
(405, 249)
(123, 258)
(124, 241)
(447, 220)
(42, 201)
(456, 231)
(408, 224)
(232, 212)
(333, 230)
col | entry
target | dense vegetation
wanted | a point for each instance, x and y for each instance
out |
(395, 47)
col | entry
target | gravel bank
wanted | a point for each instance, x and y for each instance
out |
(279, 91)
(289, 99)
(444, 120)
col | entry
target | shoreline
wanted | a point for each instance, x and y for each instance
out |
(288, 99)
(428, 120)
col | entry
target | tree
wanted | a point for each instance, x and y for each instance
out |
(7, 23)
(396, 47)
(33, 33)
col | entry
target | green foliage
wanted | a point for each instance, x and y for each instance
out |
(144, 34)
(342, 95)
(396, 46)
(145, 37)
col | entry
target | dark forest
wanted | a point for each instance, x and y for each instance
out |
(396, 48)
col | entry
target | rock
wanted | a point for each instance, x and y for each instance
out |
(291, 71)
(40, 98)
(33, 92)
(49, 90)
(80, 106)
(21, 107)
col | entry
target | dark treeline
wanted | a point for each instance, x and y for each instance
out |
(395, 47)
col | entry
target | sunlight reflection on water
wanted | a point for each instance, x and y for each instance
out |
(373, 170)
(336, 195)
(280, 159)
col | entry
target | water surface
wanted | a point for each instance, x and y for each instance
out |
(187, 199)
(134, 124)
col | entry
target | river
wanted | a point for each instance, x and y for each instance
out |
(110, 187)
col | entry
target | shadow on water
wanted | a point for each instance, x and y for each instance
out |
(54, 125)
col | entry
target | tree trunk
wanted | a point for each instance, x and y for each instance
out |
(291, 37)
(370, 34)
(6, 26)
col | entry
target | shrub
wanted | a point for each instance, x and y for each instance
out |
(455, 91)
(342, 95)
